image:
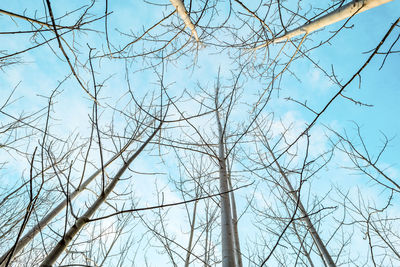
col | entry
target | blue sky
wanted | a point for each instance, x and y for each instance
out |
(42, 71)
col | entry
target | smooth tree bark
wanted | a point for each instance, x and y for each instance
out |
(344, 12)
(182, 12)
(52, 257)
(192, 228)
(235, 226)
(302, 245)
(157, 45)
(28, 237)
(325, 255)
(227, 236)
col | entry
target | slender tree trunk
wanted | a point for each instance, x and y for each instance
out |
(228, 252)
(63, 243)
(206, 239)
(235, 226)
(28, 237)
(192, 225)
(326, 257)
(344, 12)
(301, 241)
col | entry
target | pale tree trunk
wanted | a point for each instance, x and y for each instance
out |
(63, 243)
(180, 8)
(227, 238)
(325, 255)
(344, 12)
(206, 239)
(192, 226)
(301, 241)
(235, 226)
(28, 237)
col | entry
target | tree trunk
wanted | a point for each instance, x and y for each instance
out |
(28, 237)
(180, 8)
(63, 243)
(228, 252)
(346, 11)
(326, 257)
(192, 225)
(235, 226)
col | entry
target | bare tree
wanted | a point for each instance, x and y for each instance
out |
(225, 176)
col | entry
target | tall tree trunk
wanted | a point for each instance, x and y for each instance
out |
(28, 237)
(192, 225)
(63, 243)
(301, 241)
(326, 257)
(235, 226)
(228, 252)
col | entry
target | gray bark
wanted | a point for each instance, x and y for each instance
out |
(192, 225)
(325, 255)
(235, 227)
(28, 237)
(63, 243)
(227, 238)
